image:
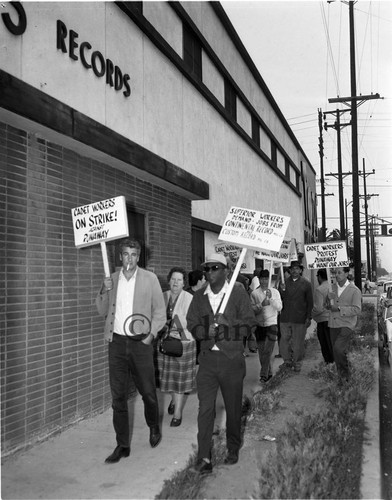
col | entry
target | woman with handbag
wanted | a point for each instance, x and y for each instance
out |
(177, 372)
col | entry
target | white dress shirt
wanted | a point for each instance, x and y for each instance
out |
(124, 302)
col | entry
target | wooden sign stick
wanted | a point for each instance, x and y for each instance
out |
(270, 273)
(282, 273)
(105, 259)
(233, 280)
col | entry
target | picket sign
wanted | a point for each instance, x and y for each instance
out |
(286, 254)
(251, 229)
(100, 222)
(326, 255)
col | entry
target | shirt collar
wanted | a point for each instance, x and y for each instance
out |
(344, 286)
(122, 275)
(224, 289)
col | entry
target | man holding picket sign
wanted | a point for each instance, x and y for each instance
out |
(344, 299)
(221, 360)
(344, 303)
(220, 315)
(132, 302)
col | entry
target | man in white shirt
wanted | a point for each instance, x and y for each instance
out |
(266, 303)
(344, 304)
(221, 360)
(132, 302)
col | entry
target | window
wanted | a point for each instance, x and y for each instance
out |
(192, 52)
(197, 247)
(255, 131)
(230, 100)
(274, 153)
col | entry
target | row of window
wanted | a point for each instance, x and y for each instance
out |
(234, 107)
(192, 53)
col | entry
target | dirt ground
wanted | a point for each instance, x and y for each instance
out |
(241, 480)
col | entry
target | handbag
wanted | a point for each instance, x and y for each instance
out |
(170, 346)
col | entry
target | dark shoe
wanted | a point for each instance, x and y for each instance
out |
(117, 454)
(231, 458)
(202, 467)
(253, 350)
(278, 355)
(170, 408)
(155, 436)
(265, 379)
(175, 422)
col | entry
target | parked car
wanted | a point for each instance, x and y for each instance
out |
(385, 288)
(385, 325)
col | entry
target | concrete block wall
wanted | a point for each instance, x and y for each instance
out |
(53, 356)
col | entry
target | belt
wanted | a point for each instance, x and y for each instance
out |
(135, 338)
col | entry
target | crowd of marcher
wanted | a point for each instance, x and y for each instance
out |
(213, 322)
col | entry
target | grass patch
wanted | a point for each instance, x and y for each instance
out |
(318, 454)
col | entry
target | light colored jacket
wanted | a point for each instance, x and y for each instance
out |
(179, 312)
(148, 305)
(266, 315)
(320, 313)
(350, 303)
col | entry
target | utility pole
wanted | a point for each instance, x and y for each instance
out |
(338, 126)
(354, 146)
(369, 263)
(321, 153)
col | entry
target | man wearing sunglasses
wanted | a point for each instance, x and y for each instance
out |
(221, 360)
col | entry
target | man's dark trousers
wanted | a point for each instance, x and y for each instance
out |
(131, 356)
(340, 338)
(324, 337)
(216, 371)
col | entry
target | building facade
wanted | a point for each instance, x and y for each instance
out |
(158, 102)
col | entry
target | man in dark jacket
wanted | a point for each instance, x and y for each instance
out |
(221, 360)
(295, 318)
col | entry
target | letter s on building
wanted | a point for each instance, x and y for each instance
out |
(16, 29)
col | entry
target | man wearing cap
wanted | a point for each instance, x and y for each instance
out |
(266, 303)
(295, 318)
(221, 360)
(321, 315)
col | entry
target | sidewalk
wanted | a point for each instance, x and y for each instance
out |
(71, 465)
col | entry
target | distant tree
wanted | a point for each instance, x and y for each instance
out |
(335, 235)
(381, 271)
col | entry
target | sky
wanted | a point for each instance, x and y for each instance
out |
(302, 51)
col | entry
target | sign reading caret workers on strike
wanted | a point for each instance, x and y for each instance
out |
(98, 222)
(254, 229)
(326, 255)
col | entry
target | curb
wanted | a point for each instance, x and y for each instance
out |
(371, 457)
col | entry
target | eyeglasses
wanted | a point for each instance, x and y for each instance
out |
(215, 267)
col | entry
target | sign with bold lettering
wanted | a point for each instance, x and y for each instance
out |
(234, 253)
(100, 222)
(326, 255)
(286, 254)
(254, 229)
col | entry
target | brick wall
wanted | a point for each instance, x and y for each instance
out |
(53, 356)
